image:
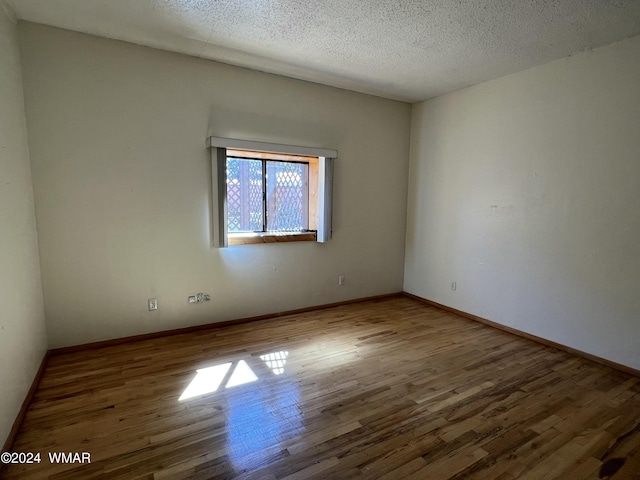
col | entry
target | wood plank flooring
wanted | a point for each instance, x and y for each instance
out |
(390, 389)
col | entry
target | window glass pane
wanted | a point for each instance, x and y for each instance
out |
(287, 196)
(245, 212)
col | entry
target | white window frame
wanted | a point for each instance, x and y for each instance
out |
(218, 147)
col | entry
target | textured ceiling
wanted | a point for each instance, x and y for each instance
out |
(405, 50)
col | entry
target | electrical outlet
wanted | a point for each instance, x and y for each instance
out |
(341, 280)
(152, 303)
(453, 285)
(199, 298)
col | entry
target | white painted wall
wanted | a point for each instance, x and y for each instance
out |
(22, 329)
(526, 191)
(122, 183)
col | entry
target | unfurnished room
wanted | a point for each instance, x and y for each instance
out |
(289, 240)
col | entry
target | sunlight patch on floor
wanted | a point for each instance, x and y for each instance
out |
(207, 380)
(231, 374)
(241, 375)
(275, 361)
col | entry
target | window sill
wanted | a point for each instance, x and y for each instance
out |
(253, 238)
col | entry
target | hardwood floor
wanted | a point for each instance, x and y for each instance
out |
(388, 389)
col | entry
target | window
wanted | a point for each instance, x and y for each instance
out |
(270, 193)
(267, 193)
